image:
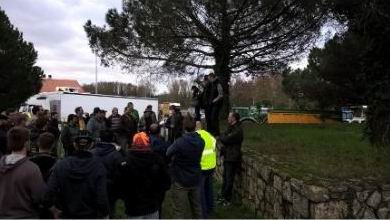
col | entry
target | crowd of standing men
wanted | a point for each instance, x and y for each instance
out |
(111, 158)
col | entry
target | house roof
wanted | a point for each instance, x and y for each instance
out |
(51, 85)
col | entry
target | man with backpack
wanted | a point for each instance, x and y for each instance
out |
(149, 117)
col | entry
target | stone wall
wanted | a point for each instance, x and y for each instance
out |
(271, 193)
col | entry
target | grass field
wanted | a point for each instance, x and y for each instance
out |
(332, 151)
(235, 211)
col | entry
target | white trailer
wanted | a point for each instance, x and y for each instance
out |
(65, 102)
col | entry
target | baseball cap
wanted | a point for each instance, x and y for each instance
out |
(96, 110)
(83, 138)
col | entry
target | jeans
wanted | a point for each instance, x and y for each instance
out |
(206, 192)
(112, 199)
(181, 195)
(213, 121)
(229, 171)
(197, 113)
(207, 114)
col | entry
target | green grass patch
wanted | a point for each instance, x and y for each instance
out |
(331, 151)
(235, 211)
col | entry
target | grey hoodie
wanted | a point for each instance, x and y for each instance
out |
(21, 188)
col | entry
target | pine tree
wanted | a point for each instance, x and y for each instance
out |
(226, 36)
(19, 76)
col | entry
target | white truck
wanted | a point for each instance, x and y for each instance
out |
(354, 114)
(64, 103)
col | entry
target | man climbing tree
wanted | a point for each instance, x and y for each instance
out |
(230, 37)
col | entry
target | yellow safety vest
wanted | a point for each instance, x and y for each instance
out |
(209, 156)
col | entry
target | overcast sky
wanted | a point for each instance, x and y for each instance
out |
(55, 27)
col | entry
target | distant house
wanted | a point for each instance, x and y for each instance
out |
(68, 85)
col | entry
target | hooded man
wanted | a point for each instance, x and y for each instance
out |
(105, 146)
(145, 179)
(21, 182)
(103, 151)
(78, 183)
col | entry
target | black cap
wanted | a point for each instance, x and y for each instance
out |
(83, 138)
(96, 110)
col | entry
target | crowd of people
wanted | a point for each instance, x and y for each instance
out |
(106, 159)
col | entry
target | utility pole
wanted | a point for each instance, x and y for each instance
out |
(150, 84)
(96, 73)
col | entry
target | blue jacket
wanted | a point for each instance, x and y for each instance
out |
(94, 127)
(158, 145)
(184, 156)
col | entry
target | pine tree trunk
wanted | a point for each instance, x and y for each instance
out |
(223, 72)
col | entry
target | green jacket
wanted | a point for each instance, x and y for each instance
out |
(68, 134)
(134, 114)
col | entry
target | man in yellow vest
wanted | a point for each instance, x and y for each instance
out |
(208, 163)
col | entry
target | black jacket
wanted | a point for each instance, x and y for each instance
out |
(185, 155)
(196, 98)
(213, 93)
(114, 164)
(148, 118)
(34, 136)
(52, 127)
(3, 142)
(232, 140)
(102, 150)
(206, 94)
(145, 179)
(128, 126)
(45, 162)
(78, 187)
(175, 126)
